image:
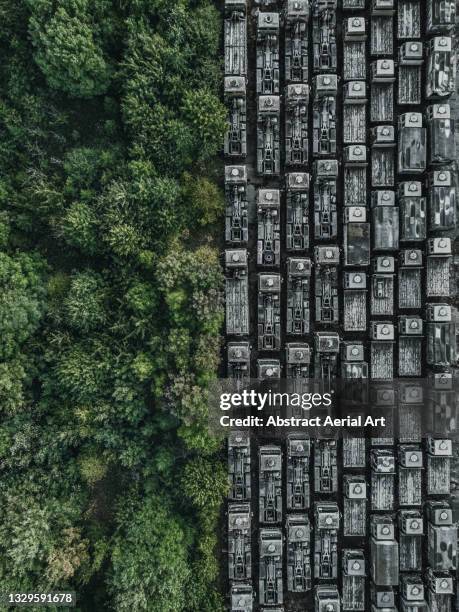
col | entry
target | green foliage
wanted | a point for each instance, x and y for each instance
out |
(67, 48)
(65, 559)
(191, 282)
(82, 370)
(206, 498)
(12, 377)
(86, 170)
(23, 300)
(204, 199)
(174, 117)
(206, 118)
(4, 229)
(205, 483)
(41, 546)
(110, 307)
(84, 304)
(124, 239)
(149, 560)
(92, 466)
(78, 227)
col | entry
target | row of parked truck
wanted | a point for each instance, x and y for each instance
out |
(438, 325)
(322, 457)
(440, 81)
(403, 216)
(311, 549)
(340, 221)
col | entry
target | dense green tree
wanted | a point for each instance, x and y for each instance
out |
(203, 198)
(12, 375)
(67, 557)
(78, 227)
(67, 48)
(149, 558)
(84, 304)
(83, 371)
(4, 229)
(206, 118)
(110, 301)
(205, 483)
(33, 528)
(22, 301)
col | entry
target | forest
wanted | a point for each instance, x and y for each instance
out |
(111, 126)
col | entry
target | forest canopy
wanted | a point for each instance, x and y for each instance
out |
(110, 301)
